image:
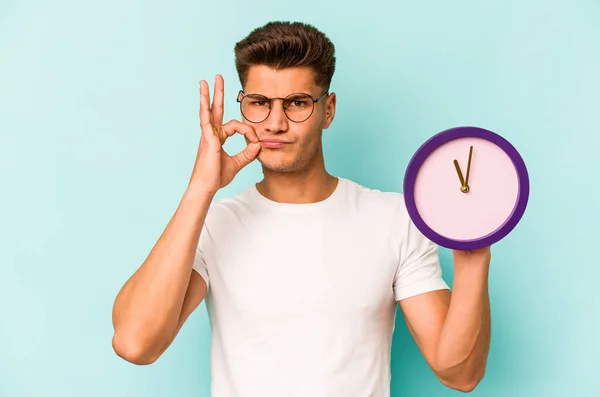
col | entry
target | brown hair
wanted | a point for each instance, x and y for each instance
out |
(287, 44)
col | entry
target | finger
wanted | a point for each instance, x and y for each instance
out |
(205, 117)
(234, 126)
(246, 156)
(217, 108)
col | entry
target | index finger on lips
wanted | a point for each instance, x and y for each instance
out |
(234, 126)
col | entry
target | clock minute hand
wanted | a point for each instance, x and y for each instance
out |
(469, 166)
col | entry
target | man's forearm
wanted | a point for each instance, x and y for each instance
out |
(147, 309)
(465, 338)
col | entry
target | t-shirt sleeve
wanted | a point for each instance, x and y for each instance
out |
(419, 269)
(199, 259)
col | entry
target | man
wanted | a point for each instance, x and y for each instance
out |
(303, 271)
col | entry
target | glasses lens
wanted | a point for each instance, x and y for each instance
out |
(298, 107)
(255, 108)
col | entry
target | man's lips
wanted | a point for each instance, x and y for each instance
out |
(273, 143)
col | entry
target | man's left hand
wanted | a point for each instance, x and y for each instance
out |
(481, 256)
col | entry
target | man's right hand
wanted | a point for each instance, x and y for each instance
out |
(214, 168)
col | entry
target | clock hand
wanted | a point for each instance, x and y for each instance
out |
(460, 175)
(469, 167)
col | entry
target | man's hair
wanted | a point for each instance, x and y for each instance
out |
(281, 45)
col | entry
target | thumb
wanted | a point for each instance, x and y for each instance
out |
(247, 155)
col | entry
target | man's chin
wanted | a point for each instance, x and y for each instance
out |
(281, 168)
(277, 166)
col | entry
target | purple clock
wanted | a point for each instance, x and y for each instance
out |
(466, 188)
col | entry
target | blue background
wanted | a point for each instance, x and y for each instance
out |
(99, 130)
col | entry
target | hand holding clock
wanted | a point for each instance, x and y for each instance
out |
(468, 222)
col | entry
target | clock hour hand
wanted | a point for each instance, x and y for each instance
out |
(460, 175)
(463, 187)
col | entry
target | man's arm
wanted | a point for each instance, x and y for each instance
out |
(453, 330)
(155, 302)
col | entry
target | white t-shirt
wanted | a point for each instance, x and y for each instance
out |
(302, 298)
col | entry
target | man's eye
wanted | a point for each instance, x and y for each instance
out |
(298, 103)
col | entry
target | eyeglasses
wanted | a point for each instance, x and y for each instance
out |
(298, 107)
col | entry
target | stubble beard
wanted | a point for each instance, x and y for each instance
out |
(301, 161)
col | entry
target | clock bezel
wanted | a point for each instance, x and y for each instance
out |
(442, 138)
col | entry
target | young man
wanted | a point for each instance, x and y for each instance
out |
(303, 271)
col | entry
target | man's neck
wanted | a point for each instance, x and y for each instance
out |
(308, 186)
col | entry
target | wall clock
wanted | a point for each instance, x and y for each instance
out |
(466, 188)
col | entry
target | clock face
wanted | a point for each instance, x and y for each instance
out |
(466, 188)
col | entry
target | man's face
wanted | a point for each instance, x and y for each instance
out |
(302, 140)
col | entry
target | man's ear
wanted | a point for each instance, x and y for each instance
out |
(329, 110)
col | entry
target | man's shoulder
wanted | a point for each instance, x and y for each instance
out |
(374, 197)
(231, 203)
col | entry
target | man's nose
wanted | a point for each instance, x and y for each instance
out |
(277, 120)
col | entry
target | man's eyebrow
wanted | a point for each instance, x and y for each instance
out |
(290, 93)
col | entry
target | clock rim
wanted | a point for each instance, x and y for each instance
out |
(444, 137)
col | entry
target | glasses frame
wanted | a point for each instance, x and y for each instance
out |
(243, 95)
